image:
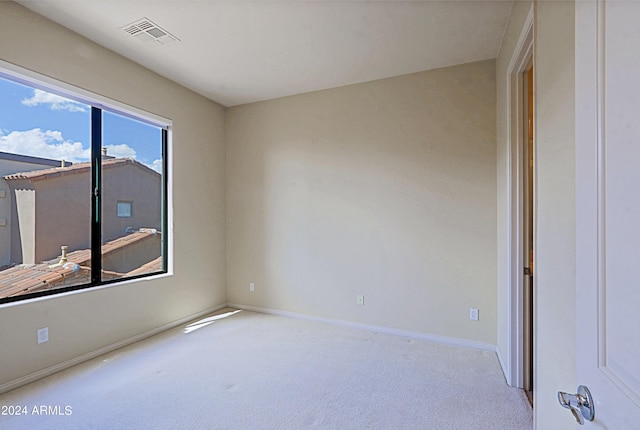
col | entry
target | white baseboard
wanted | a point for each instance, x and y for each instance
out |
(98, 352)
(378, 329)
(368, 327)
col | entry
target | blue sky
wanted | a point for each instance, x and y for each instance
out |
(41, 124)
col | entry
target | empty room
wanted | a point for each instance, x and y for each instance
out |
(318, 214)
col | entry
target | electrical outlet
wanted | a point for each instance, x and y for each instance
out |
(43, 335)
(360, 299)
(252, 287)
(473, 314)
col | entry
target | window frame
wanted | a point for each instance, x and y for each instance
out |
(98, 104)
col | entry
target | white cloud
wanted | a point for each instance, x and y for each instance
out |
(121, 151)
(125, 151)
(51, 144)
(55, 102)
(156, 165)
(45, 144)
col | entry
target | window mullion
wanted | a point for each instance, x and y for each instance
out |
(165, 204)
(96, 198)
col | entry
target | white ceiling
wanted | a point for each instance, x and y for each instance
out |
(236, 52)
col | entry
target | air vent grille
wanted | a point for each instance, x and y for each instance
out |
(147, 31)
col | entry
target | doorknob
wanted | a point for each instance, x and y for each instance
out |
(580, 404)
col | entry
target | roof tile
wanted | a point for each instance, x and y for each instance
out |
(27, 278)
(39, 175)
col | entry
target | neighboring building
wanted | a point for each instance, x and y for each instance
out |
(134, 254)
(49, 207)
(9, 164)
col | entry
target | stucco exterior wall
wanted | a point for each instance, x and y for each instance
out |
(137, 184)
(133, 256)
(7, 167)
(63, 215)
(60, 213)
(24, 221)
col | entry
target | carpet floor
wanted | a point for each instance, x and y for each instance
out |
(245, 370)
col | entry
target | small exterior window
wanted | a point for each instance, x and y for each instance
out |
(125, 209)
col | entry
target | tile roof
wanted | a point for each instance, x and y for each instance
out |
(29, 278)
(24, 279)
(83, 256)
(129, 239)
(39, 175)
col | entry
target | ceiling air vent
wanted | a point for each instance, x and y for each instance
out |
(144, 29)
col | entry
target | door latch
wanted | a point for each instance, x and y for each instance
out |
(580, 404)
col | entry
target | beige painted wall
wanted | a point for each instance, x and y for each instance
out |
(385, 189)
(85, 321)
(555, 238)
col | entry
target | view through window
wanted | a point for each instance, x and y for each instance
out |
(82, 194)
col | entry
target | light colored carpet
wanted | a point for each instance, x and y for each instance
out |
(256, 371)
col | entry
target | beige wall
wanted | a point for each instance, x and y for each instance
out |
(555, 238)
(85, 321)
(385, 189)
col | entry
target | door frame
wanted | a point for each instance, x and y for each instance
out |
(521, 58)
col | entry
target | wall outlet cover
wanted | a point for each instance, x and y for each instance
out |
(43, 335)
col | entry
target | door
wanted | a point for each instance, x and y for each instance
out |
(608, 210)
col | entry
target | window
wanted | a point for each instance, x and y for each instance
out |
(124, 209)
(70, 171)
